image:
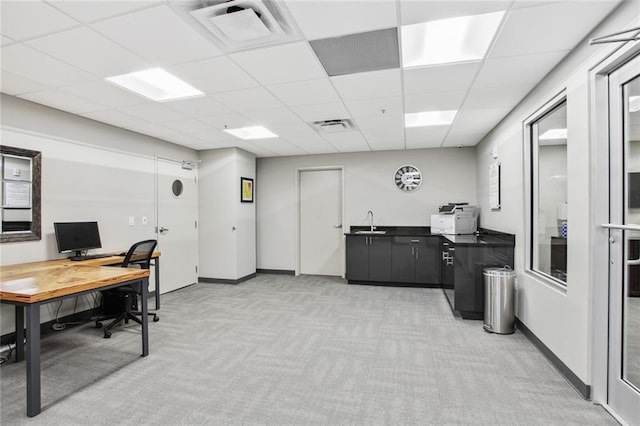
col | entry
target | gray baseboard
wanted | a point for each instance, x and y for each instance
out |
(275, 271)
(225, 280)
(582, 388)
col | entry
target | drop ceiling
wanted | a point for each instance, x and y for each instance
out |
(58, 53)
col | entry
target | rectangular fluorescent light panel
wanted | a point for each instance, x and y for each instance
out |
(634, 103)
(553, 134)
(429, 118)
(465, 38)
(156, 84)
(254, 132)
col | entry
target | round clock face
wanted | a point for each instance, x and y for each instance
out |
(407, 178)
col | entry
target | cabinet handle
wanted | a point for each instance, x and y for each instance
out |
(415, 241)
(417, 253)
(413, 251)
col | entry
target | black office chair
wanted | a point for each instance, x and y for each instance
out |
(121, 303)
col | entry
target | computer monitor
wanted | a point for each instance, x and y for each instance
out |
(77, 236)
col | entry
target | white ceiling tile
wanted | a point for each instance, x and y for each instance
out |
(375, 107)
(159, 35)
(425, 137)
(367, 85)
(503, 96)
(193, 142)
(305, 92)
(232, 121)
(437, 101)
(153, 129)
(87, 11)
(331, 111)
(29, 63)
(58, 99)
(441, 78)
(413, 12)
(321, 19)
(459, 137)
(13, 84)
(255, 147)
(90, 51)
(273, 116)
(201, 106)
(280, 64)
(113, 117)
(292, 132)
(107, 93)
(280, 147)
(214, 75)
(153, 113)
(484, 119)
(4, 41)
(549, 27)
(372, 123)
(248, 99)
(385, 138)
(517, 70)
(190, 127)
(21, 20)
(347, 141)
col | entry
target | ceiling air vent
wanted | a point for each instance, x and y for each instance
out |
(333, 126)
(244, 24)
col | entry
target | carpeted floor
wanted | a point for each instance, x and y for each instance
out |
(283, 350)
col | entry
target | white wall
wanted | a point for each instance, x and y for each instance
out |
(448, 176)
(227, 228)
(560, 319)
(90, 171)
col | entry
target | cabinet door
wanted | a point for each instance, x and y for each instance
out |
(380, 259)
(357, 253)
(402, 263)
(428, 263)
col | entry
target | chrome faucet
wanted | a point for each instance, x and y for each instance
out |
(371, 221)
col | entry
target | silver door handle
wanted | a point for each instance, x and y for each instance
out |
(622, 227)
(163, 230)
(337, 225)
(633, 262)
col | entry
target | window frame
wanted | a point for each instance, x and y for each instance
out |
(531, 186)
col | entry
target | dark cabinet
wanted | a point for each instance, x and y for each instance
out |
(415, 260)
(368, 258)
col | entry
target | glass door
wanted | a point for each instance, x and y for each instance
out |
(624, 274)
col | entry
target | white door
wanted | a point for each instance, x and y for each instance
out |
(177, 213)
(321, 239)
(624, 278)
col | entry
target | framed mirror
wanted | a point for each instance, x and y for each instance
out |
(20, 194)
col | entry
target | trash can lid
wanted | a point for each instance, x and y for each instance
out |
(504, 271)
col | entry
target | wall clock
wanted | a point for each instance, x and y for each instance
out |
(407, 178)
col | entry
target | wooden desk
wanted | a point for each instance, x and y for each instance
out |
(30, 285)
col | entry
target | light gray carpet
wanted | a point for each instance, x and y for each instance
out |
(282, 350)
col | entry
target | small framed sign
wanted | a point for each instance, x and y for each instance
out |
(246, 190)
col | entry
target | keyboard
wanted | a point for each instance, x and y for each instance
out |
(90, 256)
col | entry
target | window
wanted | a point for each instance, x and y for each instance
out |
(547, 230)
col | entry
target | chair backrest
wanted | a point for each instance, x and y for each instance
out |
(140, 254)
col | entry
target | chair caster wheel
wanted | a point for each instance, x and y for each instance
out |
(98, 325)
(156, 319)
(107, 334)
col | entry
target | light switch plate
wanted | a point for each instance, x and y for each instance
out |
(132, 220)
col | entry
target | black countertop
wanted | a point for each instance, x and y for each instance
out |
(487, 237)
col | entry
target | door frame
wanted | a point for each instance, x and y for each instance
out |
(297, 232)
(599, 213)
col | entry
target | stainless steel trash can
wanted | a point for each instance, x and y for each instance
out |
(499, 300)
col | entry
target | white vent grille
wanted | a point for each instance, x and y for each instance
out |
(333, 126)
(243, 24)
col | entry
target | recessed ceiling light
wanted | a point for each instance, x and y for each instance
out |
(634, 103)
(156, 84)
(553, 134)
(429, 118)
(465, 38)
(254, 132)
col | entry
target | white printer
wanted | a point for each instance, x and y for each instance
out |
(455, 219)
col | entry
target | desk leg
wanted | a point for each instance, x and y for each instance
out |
(145, 317)
(156, 264)
(33, 360)
(19, 333)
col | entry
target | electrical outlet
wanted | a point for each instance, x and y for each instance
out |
(132, 220)
(144, 221)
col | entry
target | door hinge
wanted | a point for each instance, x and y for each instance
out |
(196, 269)
(196, 222)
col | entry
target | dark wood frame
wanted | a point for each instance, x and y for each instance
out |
(35, 232)
(244, 180)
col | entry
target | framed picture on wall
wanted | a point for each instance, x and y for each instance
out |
(246, 190)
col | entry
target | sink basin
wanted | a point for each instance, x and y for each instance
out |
(371, 232)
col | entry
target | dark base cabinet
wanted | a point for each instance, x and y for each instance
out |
(469, 264)
(368, 258)
(415, 260)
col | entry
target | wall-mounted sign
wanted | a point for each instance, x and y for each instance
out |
(494, 186)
